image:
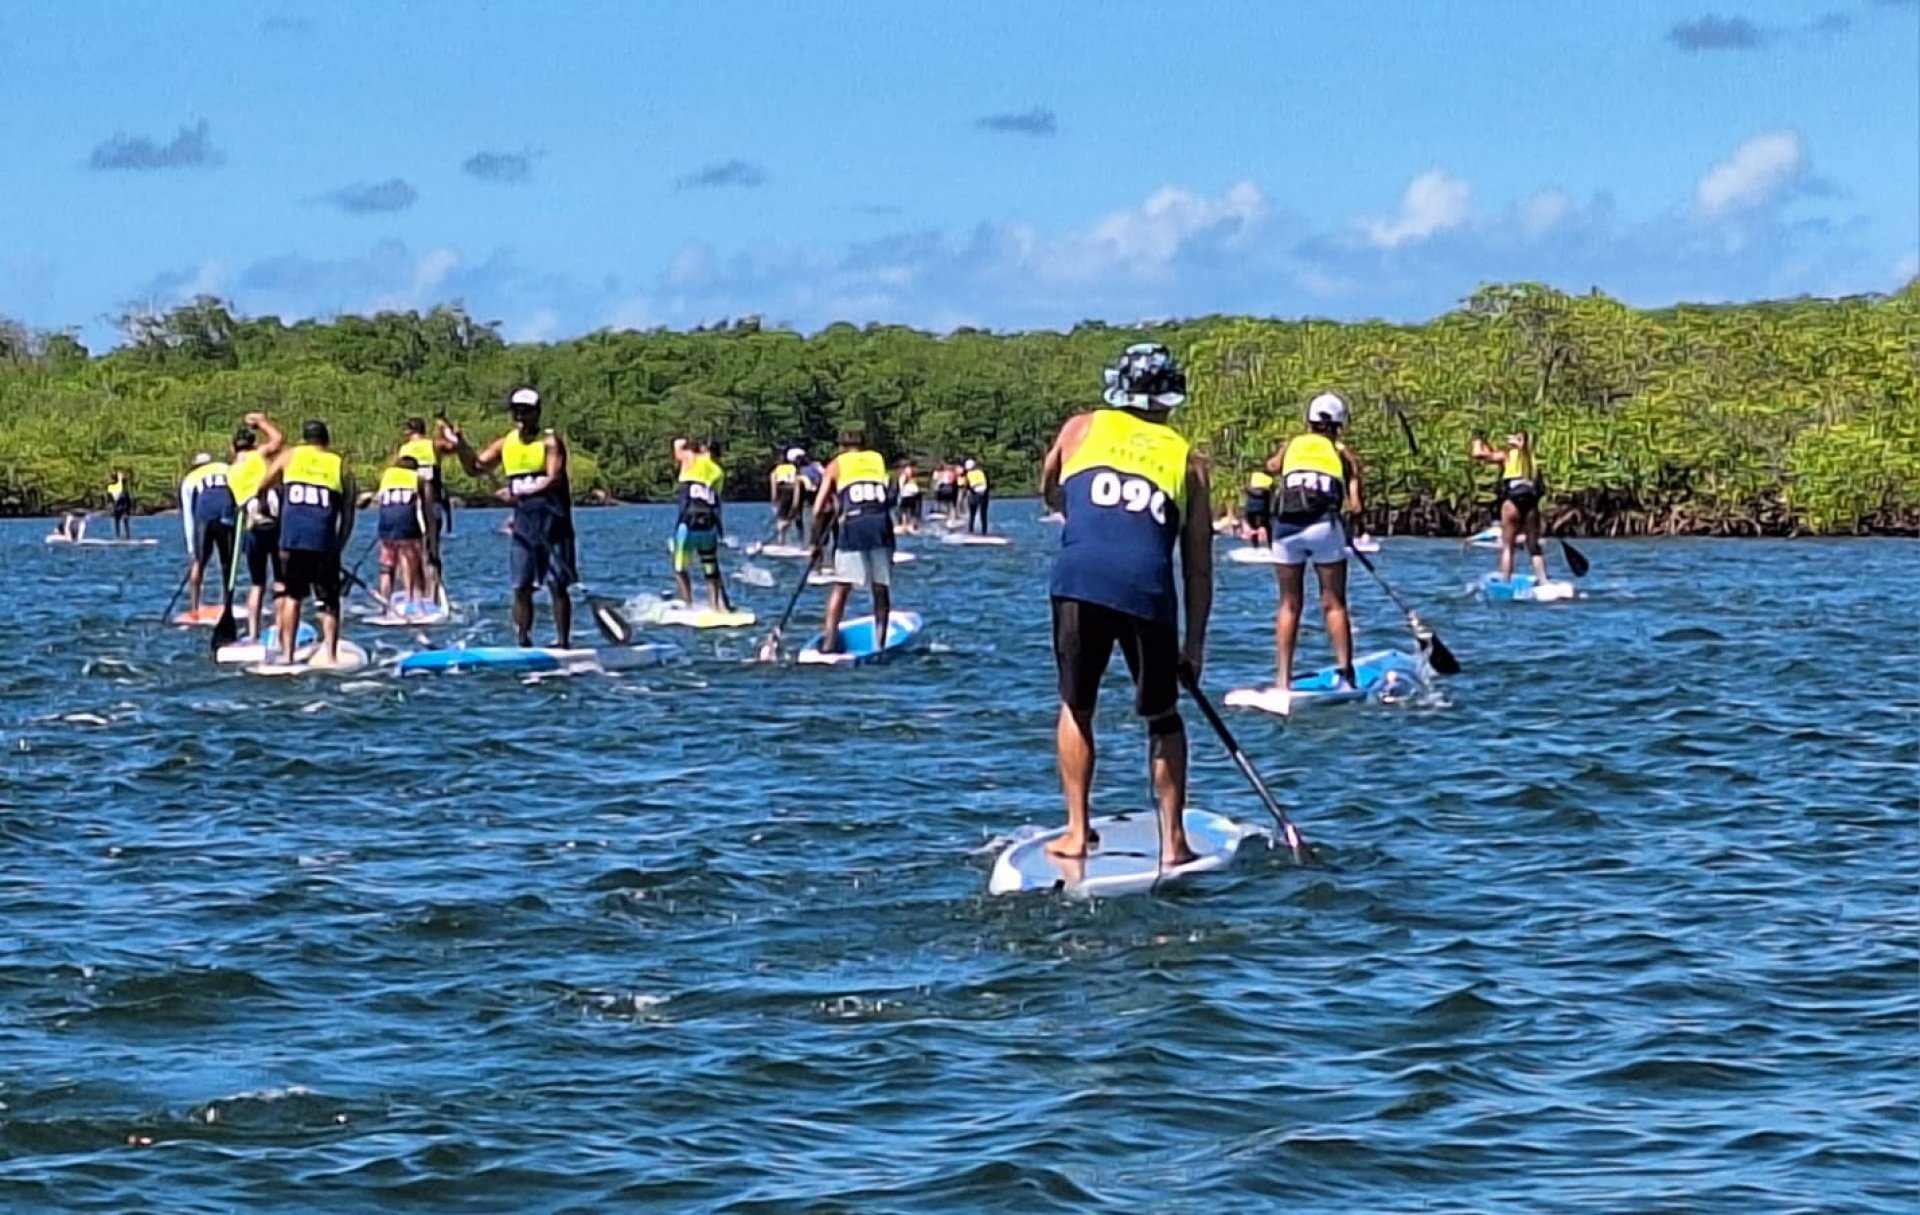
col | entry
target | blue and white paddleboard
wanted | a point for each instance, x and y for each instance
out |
(1381, 675)
(1126, 860)
(974, 538)
(1525, 588)
(252, 653)
(1253, 554)
(100, 542)
(1489, 537)
(402, 613)
(856, 640)
(532, 659)
(779, 550)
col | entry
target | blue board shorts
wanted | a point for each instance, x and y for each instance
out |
(688, 543)
(548, 561)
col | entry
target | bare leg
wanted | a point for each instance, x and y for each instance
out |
(1167, 763)
(1333, 601)
(1534, 553)
(256, 599)
(196, 574)
(330, 634)
(836, 607)
(1073, 748)
(1286, 622)
(683, 586)
(1509, 525)
(523, 616)
(882, 612)
(562, 615)
(287, 621)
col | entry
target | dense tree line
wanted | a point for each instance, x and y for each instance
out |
(1760, 418)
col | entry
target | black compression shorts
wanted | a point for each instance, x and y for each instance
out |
(263, 555)
(1084, 635)
(317, 574)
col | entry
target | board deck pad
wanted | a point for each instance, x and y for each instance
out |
(856, 640)
(1125, 861)
(253, 653)
(1377, 676)
(208, 613)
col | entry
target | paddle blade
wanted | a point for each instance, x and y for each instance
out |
(1576, 560)
(226, 632)
(611, 623)
(1439, 657)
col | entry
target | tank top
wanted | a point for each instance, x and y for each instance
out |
(424, 455)
(311, 504)
(1519, 475)
(698, 493)
(866, 522)
(783, 473)
(1313, 479)
(525, 461)
(244, 479)
(977, 481)
(212, 495)
(1259, 496)
(399, 499)
(1124, 487)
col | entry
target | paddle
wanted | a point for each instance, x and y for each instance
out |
(1436, 650)
(1302, 854)
(1576, 560)
(608, 619)
(770, 649)
(227, 630)
(166, 615)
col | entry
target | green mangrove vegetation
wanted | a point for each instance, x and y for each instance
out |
(1760, 418)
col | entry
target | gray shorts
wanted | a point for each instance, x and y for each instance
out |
(1323, 542)
(864, 568)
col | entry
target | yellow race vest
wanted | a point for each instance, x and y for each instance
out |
(1313, 479)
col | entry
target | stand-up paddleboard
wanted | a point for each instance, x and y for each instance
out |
(856, 640)
(780, 550)
(99, 542)
(825, 577)
(532, 659)
(1381, 675)
(668, 609)
(974, 538)
(1254, 554)
(1126, 860)
(1525, 588)
(1489, 537)
(351, 658)
(1053, 516)
(253, 653)
(207, 613)
(400, 615)
(1365, 544)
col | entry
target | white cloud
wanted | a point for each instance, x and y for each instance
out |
(1906, 269)
(1433, 202)
(1543, 211)
(1756, 173)
(1148, 239)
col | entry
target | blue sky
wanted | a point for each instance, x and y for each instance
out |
(568, 166)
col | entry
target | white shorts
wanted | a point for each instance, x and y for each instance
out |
(1322, 543)
(866, 568)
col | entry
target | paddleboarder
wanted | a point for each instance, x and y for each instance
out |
(534, 461)
(207, 515)
(316, 520)
(1518, 501)
(425, 453)
(1132, 491)
(907, 492)
(1256, 508)
(855, 494)
(255, 445)
(120, 501)
(697, 528)
(978, 496)
(404, 527)
(783, 491)
(1319, 478)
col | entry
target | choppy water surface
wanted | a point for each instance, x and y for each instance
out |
(1628, 924)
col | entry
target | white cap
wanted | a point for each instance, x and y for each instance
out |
(202, 458)
(796, 453)
(971, 466)
(1327, 407)
(525, 396)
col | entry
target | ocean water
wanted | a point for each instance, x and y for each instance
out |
(1623, 918)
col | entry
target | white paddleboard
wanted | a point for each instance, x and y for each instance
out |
(91, 542)
(669, 610)
(780, 550)
(1366, 544)
(253, 653)
(1125, 861)
(1253, 554)
(351, 656)
(411, 618)
(974, 538)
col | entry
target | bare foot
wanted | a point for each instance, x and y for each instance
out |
(1074, 847)
(1184, 856)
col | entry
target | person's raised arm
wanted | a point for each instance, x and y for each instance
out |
(272, 439)
(1196, 565)
(475, 464)
(1278, 458)
(1486, 454)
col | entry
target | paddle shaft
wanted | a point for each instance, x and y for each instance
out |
(793, 601)
(1295, 842)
